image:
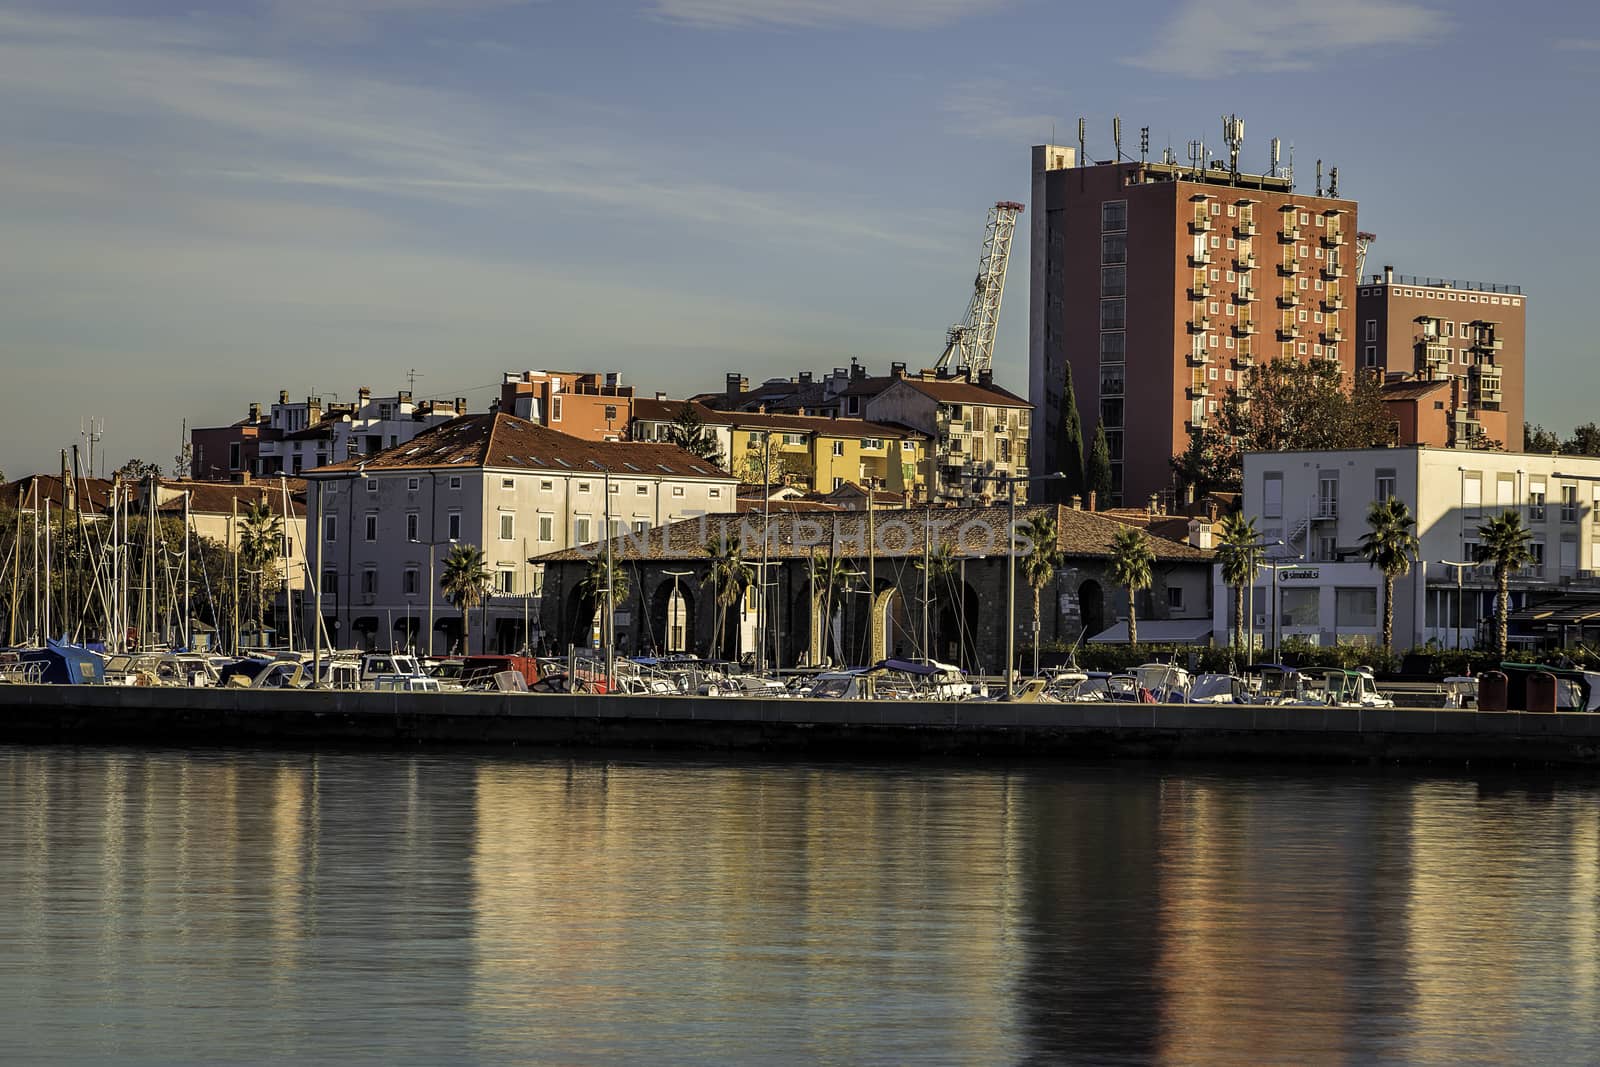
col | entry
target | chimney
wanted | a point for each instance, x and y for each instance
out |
(461, 405)
(255, 412)
(1154, 507)
(986, 378)
(802, 411)
(897, 370)
(1092, 506)
(1077, 502)
(283, 396)
(1388, 274)
(857, 371)
(1211, 511)
(805, 377)
(660, 396)
(761, 408)
(363, 395)
(1199, 533)
(736, 384)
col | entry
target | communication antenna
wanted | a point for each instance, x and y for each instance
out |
(1273, 157)
(1233, 134)
(1288, 172)
(1083, 153)
(93, 431)
(1144, 143)
(411, 380)
(1319, 177)
(1116, 135)
(1197, 158)
(1333, 181)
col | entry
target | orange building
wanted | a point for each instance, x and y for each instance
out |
(586, 404)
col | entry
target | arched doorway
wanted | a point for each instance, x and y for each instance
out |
(672, 608)
(1092, 607)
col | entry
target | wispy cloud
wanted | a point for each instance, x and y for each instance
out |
(1001, 110)
(1215, 38)
(822, 14)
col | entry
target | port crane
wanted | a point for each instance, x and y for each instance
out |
(969, 344)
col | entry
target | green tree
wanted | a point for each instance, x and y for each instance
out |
(688, 431)
(1132, 567)
(728, 577)
(137, 470)
(1390, 544)
(1585, 441)
(1507, 544)
(1097, 476)
(594, 586)
(1071, 451)
(465, 583)
(1536, 438)
(829, 579)
(943, 568)
(1039, 566)
(260, 547)
(1238, 552)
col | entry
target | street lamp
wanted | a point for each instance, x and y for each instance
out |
(430, 546)
(1256, 549)
(1461, 569)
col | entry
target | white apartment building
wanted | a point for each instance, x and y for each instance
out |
(513, 488)
(305, 434)
(1316, 504)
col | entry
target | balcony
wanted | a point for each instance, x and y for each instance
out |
(1200, 224)
(1244, 296)
(1289, 267)
(1289, 234)
(1288, 331)
(1492, 344)
(1201, 291)
(1243, 359)
(1332, 239)
(1199, 358)
(1332, 272)
(1333, 334)
(1201, 258)
(1291, 299)
(1200, 324)
(1332, 302)
(1244, 328)
(1244, 228)
(1199, 389)
(1245, 262)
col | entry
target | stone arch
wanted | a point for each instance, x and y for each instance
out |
(1092, 607)
(672, 630)
(579, 617)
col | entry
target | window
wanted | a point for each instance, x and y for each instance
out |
(677, 490)
(1111, 380)
(330, 583)
(1370, 356)
(583, 487)
(1113, 314)
(507, 581)
(330, 528)
(508, 526)
(508, 483)
(1536, 551)
(371, 526)
(580, 529)
(1113, 249)
(616, 487)
(372, 484)
(547, 528)
(1569, 503)
(555, 409)
(640, 526)
(611, 412)
(715, 493)
(546, 485)
(454, 526)
(369, 580)
(1113, 281)
(1113, 216)
(233, 456)
(1355, 608)
(1175, 597)
(838, 482)
(1536, 501)
(408, 582)
(1384, 489)
(852, 405)
(411, 525)
(1472, 494)
(455, 481)
(1113, 346)
(1272, 496)
(838, 448)
(905, 446)
(413, 484)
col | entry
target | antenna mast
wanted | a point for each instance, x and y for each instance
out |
(970, 344)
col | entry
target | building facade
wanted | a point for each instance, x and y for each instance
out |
(513, 488)
(977, 432)
(1316, 504)
(1162, 285)
(586, 404)
(1471, 334)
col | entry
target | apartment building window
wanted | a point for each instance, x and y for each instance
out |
(1372, 329)
(1536, 501)
(611, 413)
(677, 490)
(330, 528)
(408, 582)
(640, 526)
(1569, 503)
(615, 488)
(547, 486)
(1111, 380)
(1472, 494)
(838, 448)
(1113, 347)
(583, 487)
(1113, 216)
(555, 409)
(507, 583)
(1536, 563)
(872, 444)
(369, 581)
(455, 481)
(641, 489)
(838, 482)
(1384, 487)
(508, 526)
(413, 484)
(508, 483)
(1113, 249)
(1110, 412)
(371, 527)
(1568, 560)
(1370, 356)
(234, 458)
(580, 529)
(1174, 598)
(547, 528)
(716, 494)
(1272, 496)
(1113, 281)
(372, 485)
(411, 525)
(454, 525)
(905, 446)
(1113, 314)
(1003, 447)
(330, 583)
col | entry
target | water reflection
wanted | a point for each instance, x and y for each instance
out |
(160, 906)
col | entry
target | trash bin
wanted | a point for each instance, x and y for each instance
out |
(1542, 691)
(1492, 691)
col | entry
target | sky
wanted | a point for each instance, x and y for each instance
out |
(203, 203)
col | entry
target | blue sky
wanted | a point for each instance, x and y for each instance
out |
(203, 203)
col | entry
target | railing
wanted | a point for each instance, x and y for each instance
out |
(1443, 283)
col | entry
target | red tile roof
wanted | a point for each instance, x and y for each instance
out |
(960, 391)
(668, 410)
(501, 441)
(217, 498)
(93, 494)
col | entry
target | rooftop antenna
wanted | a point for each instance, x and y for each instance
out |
(1288, 172)
(411, 380)
(1333, 181)
(1197, 158)
(1273, 157)
(1083, 153)
(93, 432)
(1116, 135)
(1319, 177)
(1144, 143)
(1233, 134)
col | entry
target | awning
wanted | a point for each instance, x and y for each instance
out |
(1159, 632)
(1562, 611)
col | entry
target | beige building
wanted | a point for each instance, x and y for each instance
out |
(509, 486)
(977, 432)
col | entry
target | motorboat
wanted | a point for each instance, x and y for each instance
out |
(1460, 691)
(1166, 682)
(1218, 689)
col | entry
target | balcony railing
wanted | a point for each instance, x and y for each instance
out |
(1288, 331)
(1333, 302)
(1244, 296)
(1200, 324)
(1332, 240)
(1201, 258)
(1201, 291)
(1289, 267)
(1244, 228)
(1200, 224)
(1200, 358)
(1245, 262)
(1289, 299)
(1244, 328)
(1332, 271)
(1289, 234)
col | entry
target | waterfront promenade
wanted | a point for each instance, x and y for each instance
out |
(85, 714)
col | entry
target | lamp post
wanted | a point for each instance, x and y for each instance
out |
(1461, 569)
(430, 546)
(1257, 548)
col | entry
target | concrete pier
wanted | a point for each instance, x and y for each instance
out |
(100, 714)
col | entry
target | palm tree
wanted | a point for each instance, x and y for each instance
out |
(829, 578)
(465, 583)
(260, 546)
(1131, 565)
(1237, 552)
(1389, 545)
(594, 586)
(1040, 564)
(729, 577)
(942, 566)
(1506, 543)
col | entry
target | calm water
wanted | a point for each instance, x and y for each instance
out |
(159, 907)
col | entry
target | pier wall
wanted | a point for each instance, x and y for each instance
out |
(107, 714)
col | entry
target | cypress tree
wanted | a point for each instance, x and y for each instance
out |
(1070, 455)
(1098, 476)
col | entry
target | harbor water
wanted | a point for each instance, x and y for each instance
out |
(161, 906)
